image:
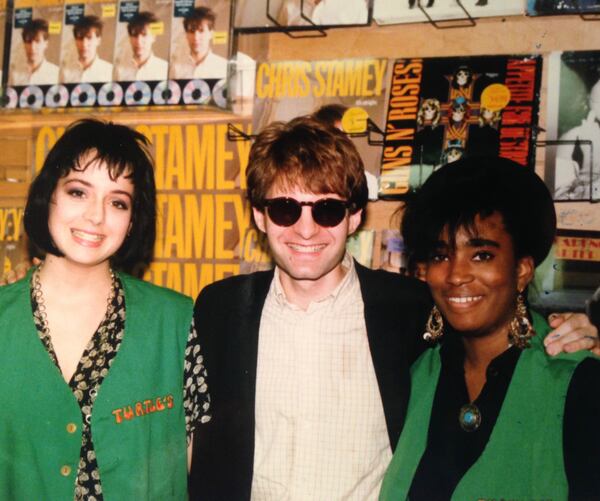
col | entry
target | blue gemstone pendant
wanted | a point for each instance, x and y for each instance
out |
(469, 417)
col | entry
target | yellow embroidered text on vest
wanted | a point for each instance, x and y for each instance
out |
(142, 408)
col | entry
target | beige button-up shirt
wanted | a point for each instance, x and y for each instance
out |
(320, 427)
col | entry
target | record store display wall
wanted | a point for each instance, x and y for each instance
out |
(411, 93)
(127, 53)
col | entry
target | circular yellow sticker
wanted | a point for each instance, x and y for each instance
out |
(495, 97)
(354, 120)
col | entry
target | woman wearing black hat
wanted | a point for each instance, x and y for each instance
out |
(491, 415)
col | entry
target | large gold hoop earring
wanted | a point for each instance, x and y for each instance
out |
(434, 327)
(521, 330)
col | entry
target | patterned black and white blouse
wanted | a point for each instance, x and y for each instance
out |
(93, 368)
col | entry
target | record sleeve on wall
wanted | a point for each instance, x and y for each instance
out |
(199, 39)
(200, 50)
(392, 255)
(269, 15)
(143, 36)
(443, 108)
(88, 41)
(360, 246)
(408, 11)
(287, 89)
(573, 165)
(35, 49)
(547, 7)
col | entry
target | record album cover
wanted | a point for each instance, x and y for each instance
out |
(360, 246)
(441, 109)
(392, 255)
(199, 39)
(411, 11)
(573, 162)
(331, 89)
(143, 36)
(547, 7)
(35, 48)
(88, 41)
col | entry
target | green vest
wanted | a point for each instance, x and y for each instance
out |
(138, 423)
(523, 458)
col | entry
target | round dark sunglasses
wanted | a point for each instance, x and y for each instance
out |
(326, 212)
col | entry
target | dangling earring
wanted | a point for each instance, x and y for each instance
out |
(521, 330)
(434, 327)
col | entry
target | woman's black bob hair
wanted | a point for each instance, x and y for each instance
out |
(124, 152)
(479, 186)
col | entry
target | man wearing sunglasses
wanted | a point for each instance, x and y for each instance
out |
(309, 363)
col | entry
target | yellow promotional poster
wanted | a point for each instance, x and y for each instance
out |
(349, 94)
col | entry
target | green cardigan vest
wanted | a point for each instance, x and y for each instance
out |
(523, 458)
(138, 423)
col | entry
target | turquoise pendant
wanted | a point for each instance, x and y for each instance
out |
(469, 417)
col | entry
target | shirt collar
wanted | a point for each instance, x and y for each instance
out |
(337, 295)
(88, 67)
(146, 63)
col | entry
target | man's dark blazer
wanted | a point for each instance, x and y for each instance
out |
(227, 317)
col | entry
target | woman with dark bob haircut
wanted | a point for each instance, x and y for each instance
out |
(124, 153)
(101, 372)
(491, 415)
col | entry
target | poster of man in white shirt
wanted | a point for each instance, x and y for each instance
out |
(573, 120)
(195, 58)
(142, 45)
(29, 59)
(81, 58)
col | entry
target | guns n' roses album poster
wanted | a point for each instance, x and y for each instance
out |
(333, 90)
(408, 11)
(443, 108)
(547, 7)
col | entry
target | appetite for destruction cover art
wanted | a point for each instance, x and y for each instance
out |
(441, 109)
